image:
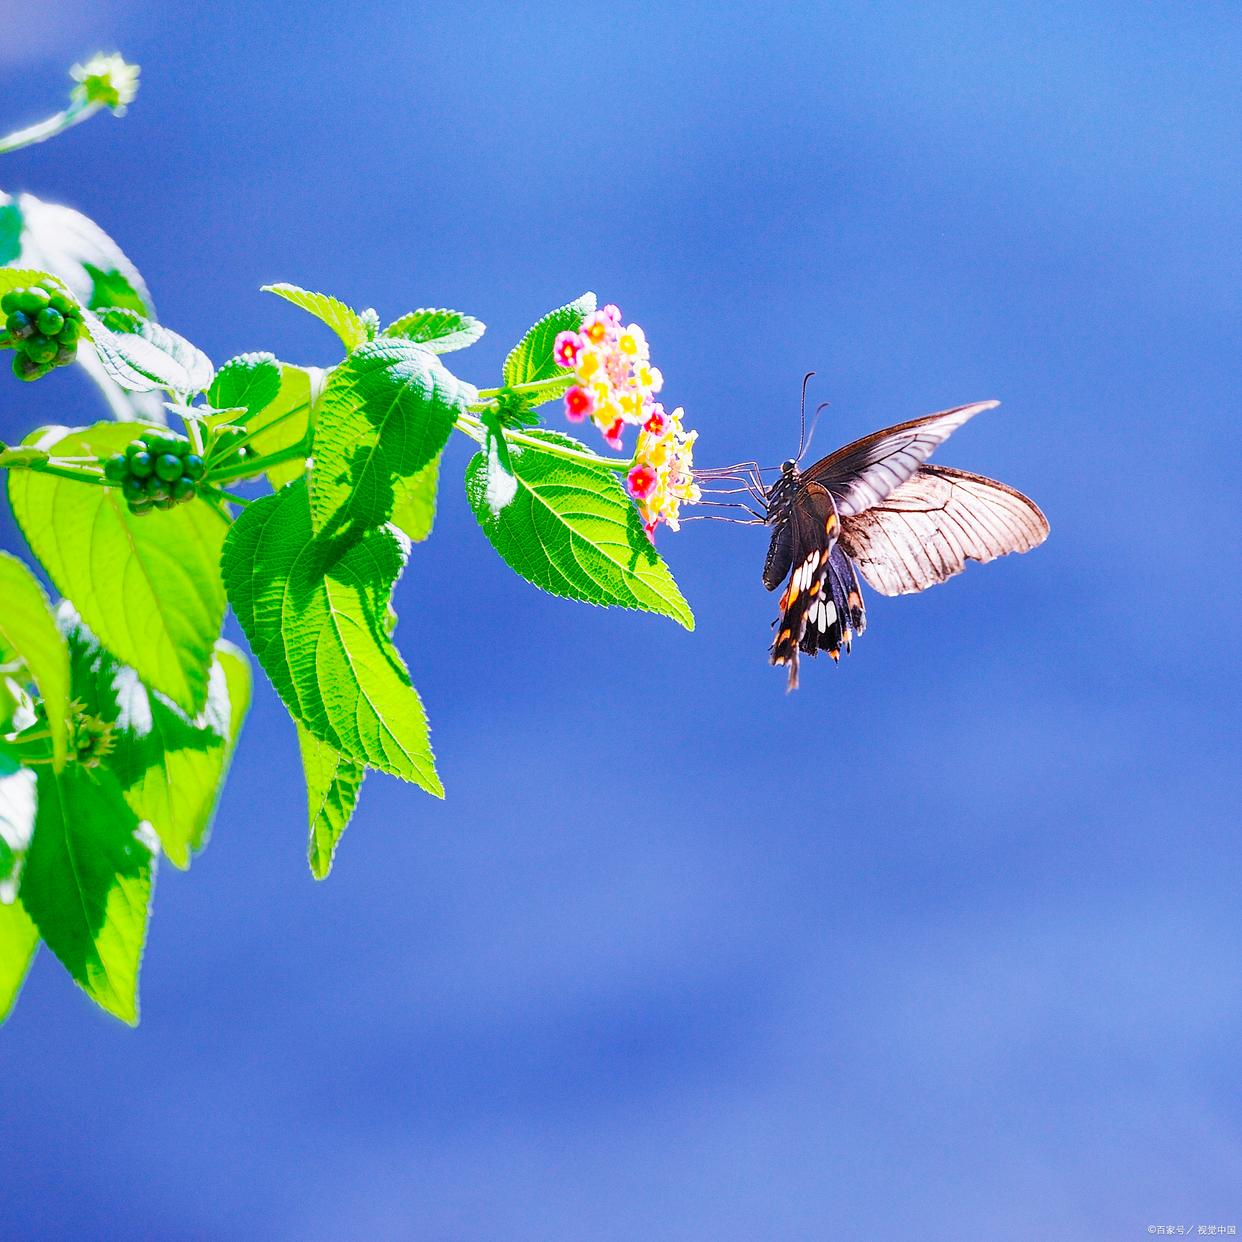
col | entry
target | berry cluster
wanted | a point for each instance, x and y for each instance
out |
(156, 471)
(43, 328)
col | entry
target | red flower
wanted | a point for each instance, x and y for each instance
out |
(642, 481)
(578, 404)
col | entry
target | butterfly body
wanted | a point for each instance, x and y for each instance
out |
(875, 508)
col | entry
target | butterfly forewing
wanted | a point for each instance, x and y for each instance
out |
(862, 474)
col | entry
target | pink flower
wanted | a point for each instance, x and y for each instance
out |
(642, 481)
(578, 404)
(656, 423)
(566, 350)
(614, 433)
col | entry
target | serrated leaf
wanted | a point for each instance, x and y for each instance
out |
(28, 629)
(385, 413)
(249, 382)
(87, 883)
(111, 287)
(333, 783)
(315, 610)
(170, 767)
(441, 331)
(415, 508)
(343, 320)
(531, 358)
(130, 345)
(11, 225)
(572, 531)
(149, 587)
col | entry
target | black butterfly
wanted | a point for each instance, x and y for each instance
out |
(874, 508)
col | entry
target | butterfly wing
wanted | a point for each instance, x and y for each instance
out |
(813, 528)
(862, 474)
(927, 528)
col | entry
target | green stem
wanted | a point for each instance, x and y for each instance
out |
(251, 433)
(73, 115)
(478, 433)
(257, 465)
(534, 388)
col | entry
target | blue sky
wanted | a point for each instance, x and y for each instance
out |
(945, 945)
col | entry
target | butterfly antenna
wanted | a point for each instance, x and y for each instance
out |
(806, 379)
(819, 409)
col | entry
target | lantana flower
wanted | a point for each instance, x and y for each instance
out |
(662, 477)
(615, 388)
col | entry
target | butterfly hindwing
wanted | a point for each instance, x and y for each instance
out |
(928, 528)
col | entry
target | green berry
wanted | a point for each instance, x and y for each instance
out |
(157, 489)
(39, 348)
(19, 325)
(8, 303)
(168, 467)
(25, 367)
(65, 304)
(32, 300)
(66, 354)
(133, 489)
(140, 508)
(141, 464)
(116, 468)
(194, 465)
(166, 502)
(137, 446)
(50, 321)
(70, 332)
(183, 489)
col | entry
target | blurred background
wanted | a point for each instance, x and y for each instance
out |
(945, 945)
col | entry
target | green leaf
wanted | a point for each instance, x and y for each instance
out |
(343, 320)
(531, 359)
(170, 767)
(87, 883)
(111, 287)
(150, 586)
(315, 610)
(332, 786)
(501, 483)
(249, 381)
(11, 225)
(28, 630)
(572, 531)
(141, 354)
(386, 412)
(415, 508)
(19, 938)
(286, 420)
(441, 331)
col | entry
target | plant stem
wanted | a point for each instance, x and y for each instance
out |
(478, 433)
(257, 465)
(532, 389)
(75, 114)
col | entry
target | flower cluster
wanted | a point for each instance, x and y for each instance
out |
(616, 381)
(616, 387)
(662, 478)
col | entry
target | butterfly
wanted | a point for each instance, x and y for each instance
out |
(877, 509)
